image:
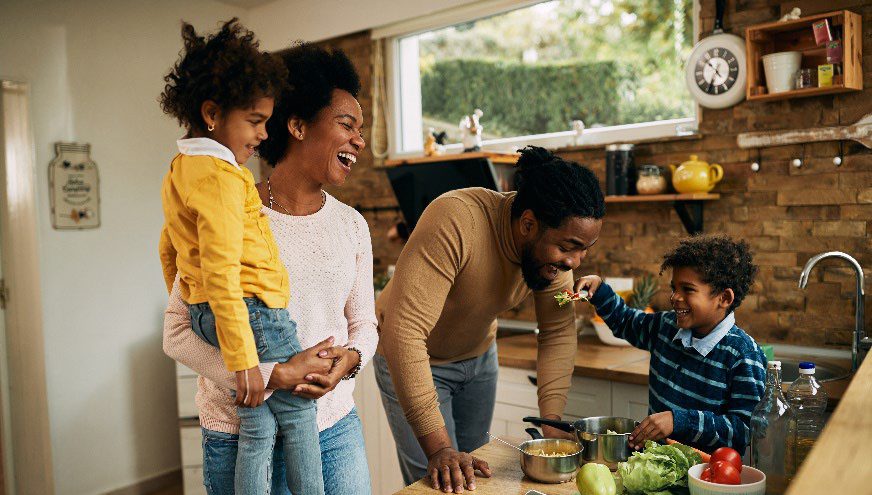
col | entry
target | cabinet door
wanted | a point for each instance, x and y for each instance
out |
(629, 401)
(588, 397)
(381, 451)
(509, 420)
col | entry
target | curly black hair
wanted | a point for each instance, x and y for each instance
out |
(555, 189)
(314, 73)
(227, 68)
(720, 262)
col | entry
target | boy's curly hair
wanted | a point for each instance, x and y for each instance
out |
(226, 67)
(316, 72)
(720, 261)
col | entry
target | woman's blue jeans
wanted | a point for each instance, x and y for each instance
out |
(343, 461)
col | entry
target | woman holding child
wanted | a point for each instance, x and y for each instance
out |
(313, 140)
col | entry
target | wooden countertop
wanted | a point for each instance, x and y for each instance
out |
(597, 360)
(840, 460)
(507, 478)
(594, 359)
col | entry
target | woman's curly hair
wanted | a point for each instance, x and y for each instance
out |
(226, 67)
(314, 73)
(720, 262)
(555, 189)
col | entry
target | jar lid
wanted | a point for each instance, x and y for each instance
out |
(612, 147)
(806, 368)
(626, 147)
(649, 167)
(774, 365)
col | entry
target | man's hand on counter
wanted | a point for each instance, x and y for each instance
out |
(449, 470)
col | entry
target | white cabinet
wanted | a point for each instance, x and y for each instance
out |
(381, 451)
(190, 438)
(629, 401)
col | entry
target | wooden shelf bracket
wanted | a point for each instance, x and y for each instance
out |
(691, 215)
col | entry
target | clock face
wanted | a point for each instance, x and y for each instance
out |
(716, 71)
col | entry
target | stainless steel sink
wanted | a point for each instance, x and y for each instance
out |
(823, 372)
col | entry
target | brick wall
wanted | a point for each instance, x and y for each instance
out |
(786, 214)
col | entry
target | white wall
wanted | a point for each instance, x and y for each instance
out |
(281, 22)
(95, 69)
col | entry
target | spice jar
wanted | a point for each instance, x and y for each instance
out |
(651, 180)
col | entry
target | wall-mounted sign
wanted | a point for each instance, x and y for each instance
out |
(74, 186)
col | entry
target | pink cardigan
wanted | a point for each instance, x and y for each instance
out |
(328, 256)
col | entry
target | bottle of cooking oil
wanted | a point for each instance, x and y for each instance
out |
(769, 433)
(809, 404)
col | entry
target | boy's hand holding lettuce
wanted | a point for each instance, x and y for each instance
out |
(658, 469)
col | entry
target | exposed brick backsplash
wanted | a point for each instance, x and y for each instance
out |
(786, 214)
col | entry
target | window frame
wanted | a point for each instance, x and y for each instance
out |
(398, 113)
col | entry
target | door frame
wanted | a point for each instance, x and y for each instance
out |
(31, 437)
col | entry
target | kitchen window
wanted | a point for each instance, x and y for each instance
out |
(535, 67)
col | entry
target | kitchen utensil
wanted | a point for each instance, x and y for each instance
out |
(548, 469)
(753, 483)
(696, 176)
(597, 445)
(861, 132)
(505, 442)
(780, 69)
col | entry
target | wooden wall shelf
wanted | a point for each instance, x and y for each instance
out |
(774, 37)
(688, 206)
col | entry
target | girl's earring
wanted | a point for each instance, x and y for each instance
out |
(300, 136)
(211, 127)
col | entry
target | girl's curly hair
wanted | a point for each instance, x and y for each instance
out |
(720, 262)
(226, 67)
(315, 72)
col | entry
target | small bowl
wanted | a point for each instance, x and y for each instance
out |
(551, 469)
(753, 483)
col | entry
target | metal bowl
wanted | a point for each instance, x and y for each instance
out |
(598, 446)
(550, 469)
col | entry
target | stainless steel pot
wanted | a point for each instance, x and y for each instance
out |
(550, 469)
(598, 446)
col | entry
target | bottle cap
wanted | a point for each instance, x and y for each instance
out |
(806, 368)
(774, 365)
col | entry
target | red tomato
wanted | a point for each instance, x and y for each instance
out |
(706, 474)
(725, 473)
(728, 455)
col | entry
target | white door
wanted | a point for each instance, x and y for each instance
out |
(5, 416)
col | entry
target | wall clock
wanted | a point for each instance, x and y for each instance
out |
(715, 71)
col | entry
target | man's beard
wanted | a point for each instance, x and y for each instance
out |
(531, 269)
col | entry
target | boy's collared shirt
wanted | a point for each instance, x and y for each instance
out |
(705, 345)
(710, 385)
(217, 239)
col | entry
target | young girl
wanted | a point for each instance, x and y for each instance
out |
(218, 242)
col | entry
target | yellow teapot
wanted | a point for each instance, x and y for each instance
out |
(696, 176)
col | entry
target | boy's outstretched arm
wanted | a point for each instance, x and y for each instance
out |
(635, 326)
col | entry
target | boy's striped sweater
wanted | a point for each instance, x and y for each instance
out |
(711, 386)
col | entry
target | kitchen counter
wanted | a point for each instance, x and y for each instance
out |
(593, 359)
(507, 478)
(621, 364)
(840, 460)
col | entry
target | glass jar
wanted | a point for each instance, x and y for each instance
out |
(651, 180)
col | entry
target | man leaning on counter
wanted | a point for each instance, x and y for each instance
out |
(474, 254)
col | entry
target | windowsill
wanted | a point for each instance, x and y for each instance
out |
(666, 139)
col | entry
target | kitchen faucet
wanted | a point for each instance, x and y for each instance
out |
(860, 342)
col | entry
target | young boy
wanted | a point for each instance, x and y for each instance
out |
(706, 374)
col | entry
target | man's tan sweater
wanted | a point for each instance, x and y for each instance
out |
(459, 270)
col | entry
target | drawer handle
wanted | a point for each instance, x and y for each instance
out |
(533, 380)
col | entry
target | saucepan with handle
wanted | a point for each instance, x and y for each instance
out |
(559, 465)
(598, 445)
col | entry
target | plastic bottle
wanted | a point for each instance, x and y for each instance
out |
(769, 432)
(809, 404)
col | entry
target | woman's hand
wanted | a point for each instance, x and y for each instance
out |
(590, 283)
(344, 360)
(314, 360)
